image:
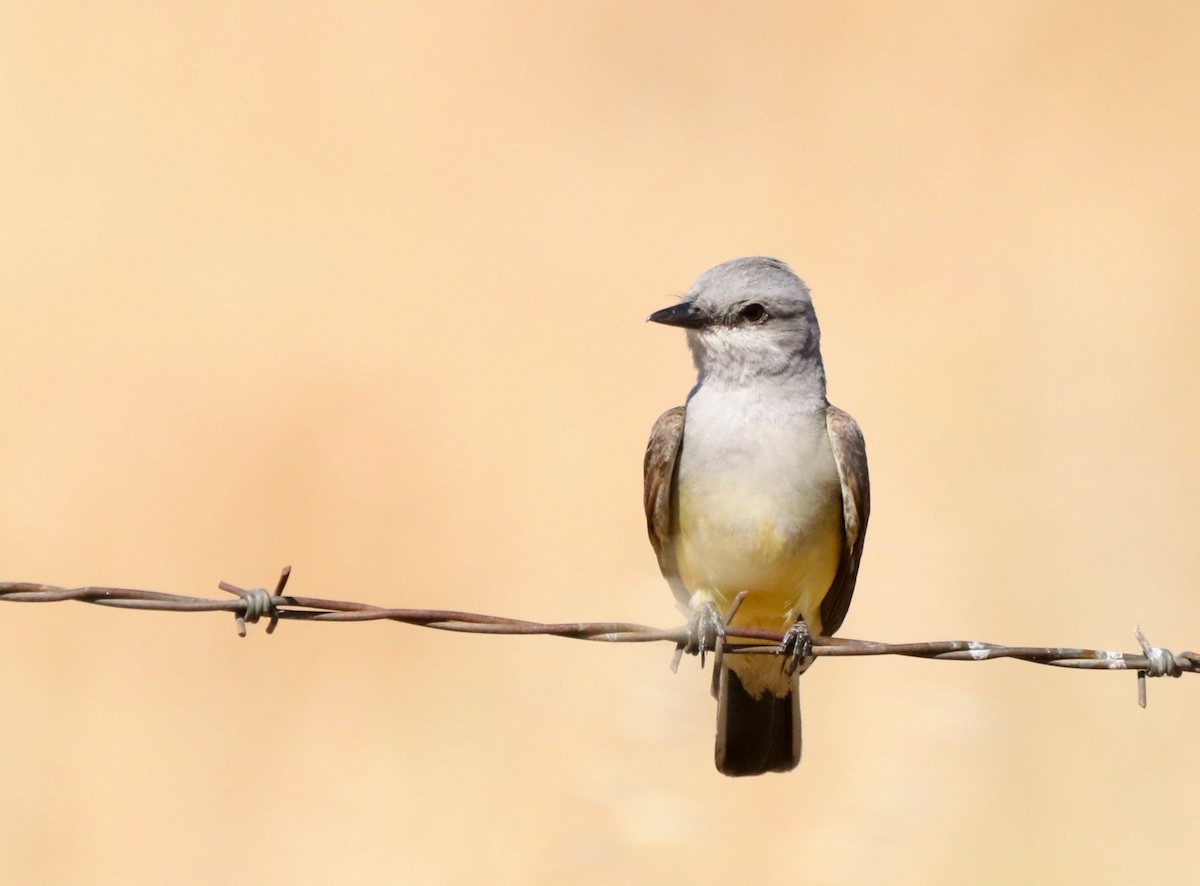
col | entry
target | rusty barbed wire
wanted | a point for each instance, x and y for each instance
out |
(249, 605)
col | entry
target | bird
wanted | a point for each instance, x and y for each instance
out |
(757, 486)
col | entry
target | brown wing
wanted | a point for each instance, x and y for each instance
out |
(850, 453)
(662, 452)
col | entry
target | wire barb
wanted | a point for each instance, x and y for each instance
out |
(258, 603)
(719, 649)
(253, 604)
(1159, 663)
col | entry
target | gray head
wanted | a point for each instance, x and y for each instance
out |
(747, 318)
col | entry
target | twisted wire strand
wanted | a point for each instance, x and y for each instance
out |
(250, 605)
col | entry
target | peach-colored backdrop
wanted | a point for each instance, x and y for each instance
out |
(361, 287)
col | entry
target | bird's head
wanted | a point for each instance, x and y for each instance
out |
(746, 318)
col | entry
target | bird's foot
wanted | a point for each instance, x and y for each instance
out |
(705, 630)
(797, 647)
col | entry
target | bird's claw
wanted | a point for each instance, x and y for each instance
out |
(705, 630)
(797, 647)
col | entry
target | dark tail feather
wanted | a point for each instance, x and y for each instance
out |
(756, 735)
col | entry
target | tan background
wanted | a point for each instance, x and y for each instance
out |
(361, 287)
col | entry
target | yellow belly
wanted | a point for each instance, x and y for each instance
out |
(781, 551)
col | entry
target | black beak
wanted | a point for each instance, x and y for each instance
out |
(684, 314)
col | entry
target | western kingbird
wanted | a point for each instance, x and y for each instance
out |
(759, 485)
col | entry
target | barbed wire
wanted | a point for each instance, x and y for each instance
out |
(250, 605)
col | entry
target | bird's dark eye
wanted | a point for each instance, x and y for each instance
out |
(754, 312)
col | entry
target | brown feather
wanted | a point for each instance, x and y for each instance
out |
(850, 453)
(662, 454)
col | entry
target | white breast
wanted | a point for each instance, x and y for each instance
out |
(759, 504)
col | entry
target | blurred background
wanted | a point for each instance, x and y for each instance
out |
(361, 288)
